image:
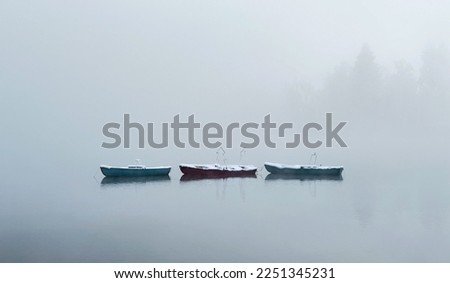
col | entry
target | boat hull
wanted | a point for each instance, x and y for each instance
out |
(274, 177)
(134, 172)
(216, 173)
(189, 177)
(303, 170)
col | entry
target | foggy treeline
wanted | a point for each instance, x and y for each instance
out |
(370, 95)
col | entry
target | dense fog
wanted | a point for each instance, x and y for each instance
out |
(68, 68)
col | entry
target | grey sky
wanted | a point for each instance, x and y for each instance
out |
(70, 66)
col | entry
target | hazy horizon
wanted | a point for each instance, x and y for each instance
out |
(67, 68)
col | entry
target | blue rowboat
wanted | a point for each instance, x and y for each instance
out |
(304, 170)
(134, 171)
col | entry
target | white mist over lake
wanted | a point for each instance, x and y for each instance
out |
(68, 68)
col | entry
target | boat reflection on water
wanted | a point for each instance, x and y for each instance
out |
(187, 177)
(111, 181)
(222, 185)
(299, 177)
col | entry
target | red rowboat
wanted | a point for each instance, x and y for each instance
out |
(216, 170)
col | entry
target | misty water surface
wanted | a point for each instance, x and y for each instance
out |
(66, 69)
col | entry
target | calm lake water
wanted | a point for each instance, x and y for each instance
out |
(380, 212)
(68, 69)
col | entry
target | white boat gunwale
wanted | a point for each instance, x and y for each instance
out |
(296, 167)
(220, 167)
(135, 167)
